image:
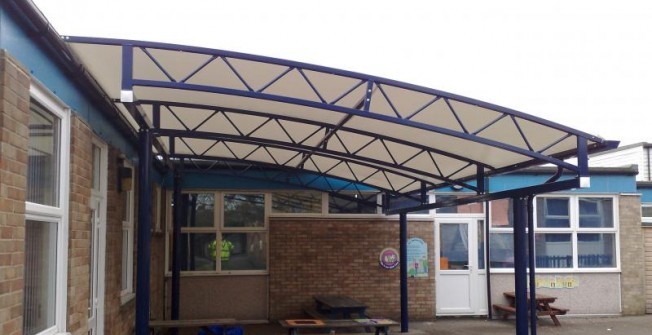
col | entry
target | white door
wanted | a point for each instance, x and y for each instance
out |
(459, 264)
(97, 236)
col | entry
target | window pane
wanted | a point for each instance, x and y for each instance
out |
(553, 250)
(501, 250)
(553, 213)
(349, 204)
(647, 211)
(405, 202)
(200, 209)
(454, 253)
(474, 208)
(296, 202)
(244, 210)
(96, 168)
(481, 244)
(43, 157)
(244, 251)
(596, 250)
(502, 213)
(198, 252)
(40, 276)
(596, 213)
(125, 260)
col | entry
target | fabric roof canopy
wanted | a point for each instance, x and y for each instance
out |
(214, 105)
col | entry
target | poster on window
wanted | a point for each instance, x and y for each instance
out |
(417, 257)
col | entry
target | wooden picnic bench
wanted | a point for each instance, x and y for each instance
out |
(157, 325)
(543, 307)
(380, 325)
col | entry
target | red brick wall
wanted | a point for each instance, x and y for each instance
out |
(314, 256)
(14, 133)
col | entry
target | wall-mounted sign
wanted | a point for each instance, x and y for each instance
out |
(557, 282)
(417, 257)
(389, 258)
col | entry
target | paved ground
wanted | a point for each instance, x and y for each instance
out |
(630, 325)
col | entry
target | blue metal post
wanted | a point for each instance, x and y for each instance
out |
(404, 276)
(144, 237)
(176, 250)
(533, 303)
(520, 266)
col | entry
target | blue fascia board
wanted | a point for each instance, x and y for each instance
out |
(599, 183)
(253, 181)
(646, 194)
(34, 57)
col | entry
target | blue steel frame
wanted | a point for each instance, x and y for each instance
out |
(521, 196)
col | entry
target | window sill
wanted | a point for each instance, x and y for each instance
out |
(127, 298)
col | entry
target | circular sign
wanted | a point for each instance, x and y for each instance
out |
(389, 258)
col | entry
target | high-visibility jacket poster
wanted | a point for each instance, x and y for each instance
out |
(417, 258)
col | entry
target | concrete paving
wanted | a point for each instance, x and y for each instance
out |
(626, 325)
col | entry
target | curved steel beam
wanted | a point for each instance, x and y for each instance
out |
(371, 80)
(293, 169)
(318, 124)
(360, 160)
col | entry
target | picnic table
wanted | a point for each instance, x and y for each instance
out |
(542, 302)
(339, 307)
(380, 325)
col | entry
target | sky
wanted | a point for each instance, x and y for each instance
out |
(584, 64)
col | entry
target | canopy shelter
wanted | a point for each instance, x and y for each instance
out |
(219, 110)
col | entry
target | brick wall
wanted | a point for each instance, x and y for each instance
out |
(119, 317)
(340, 256)
(81, 165)
(14, 120)
(631, 255)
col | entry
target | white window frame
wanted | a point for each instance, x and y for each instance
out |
(127, 294)
(56, 214)
(574, 230)
(218, 229)
(646, 219)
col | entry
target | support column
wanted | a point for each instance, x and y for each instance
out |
(144, 235)
(404, 277)
(520, 266)
(532, 261)
(176, 243)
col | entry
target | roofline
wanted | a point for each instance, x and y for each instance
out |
(645, 145)
(27, 12)
(331, 70)
(644, 184)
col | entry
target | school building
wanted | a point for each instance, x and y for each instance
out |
(145, 181)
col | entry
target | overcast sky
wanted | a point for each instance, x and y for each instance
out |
(585, 64)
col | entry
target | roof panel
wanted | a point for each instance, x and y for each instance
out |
(384, 133)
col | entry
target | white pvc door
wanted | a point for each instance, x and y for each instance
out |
(460, 267)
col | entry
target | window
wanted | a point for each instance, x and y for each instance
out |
(297, 202)
(571, 232)
(46, 221)
(646, 212)
(349, 202)
(473, 208)
(127, 275)
(224, 232)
